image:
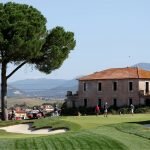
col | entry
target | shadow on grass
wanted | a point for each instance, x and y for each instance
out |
(141, 122)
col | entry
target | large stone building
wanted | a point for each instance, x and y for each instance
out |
(117, 86)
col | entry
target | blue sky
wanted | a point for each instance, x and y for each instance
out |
(107, 32)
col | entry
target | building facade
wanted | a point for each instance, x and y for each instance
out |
(117, 86)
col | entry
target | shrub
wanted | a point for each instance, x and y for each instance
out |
(124, 110)
(76, 111)
(113, 111)
(69, 111)
(142, 110)
(91, 110)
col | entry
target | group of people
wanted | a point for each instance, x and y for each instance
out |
(98, 109)
(56, 111)
(11, 115)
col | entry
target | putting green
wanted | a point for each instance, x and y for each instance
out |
(86, 132)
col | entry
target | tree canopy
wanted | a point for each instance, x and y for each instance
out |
(22, 32)
(25, 39)
(55, 50)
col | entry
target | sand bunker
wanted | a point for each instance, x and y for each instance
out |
(26, 129)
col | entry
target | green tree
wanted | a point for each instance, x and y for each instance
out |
(25, 39)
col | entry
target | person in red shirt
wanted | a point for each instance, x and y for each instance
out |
(97, 110)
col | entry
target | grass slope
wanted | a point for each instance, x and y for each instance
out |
(86, 133)
(28, 101)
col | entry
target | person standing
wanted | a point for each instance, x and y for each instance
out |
(132, 109)
(56, 111)
(13, 114)
(97, 110)
(105, 109)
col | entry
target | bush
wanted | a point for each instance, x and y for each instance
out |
(113, 111)
(124, 110)
(69, 111)
(76, 111)
(142, 110)
(91, 110)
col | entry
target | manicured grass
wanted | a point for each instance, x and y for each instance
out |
(56, 123)
(95, 121)
(7, 123)
(86, 133)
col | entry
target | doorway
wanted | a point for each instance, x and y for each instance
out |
(147, 102)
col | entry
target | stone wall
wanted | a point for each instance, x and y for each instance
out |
(107, 94)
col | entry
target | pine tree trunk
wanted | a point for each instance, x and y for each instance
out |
(4, 92)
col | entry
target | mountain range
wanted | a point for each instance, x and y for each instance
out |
(145, 66)
(49, 88)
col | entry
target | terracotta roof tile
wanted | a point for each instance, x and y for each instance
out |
(118, 73)
(20, 111)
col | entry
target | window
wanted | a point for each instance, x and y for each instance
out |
(147, 87)
(130, 86)
(99, 102)
(73, 104)
(115, 102)
(85, 102)
(130, 101)
(147, 102)
(84, 86)
(99, 86)
(115, 86)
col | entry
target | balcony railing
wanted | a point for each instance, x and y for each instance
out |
(69, 93)
(144, 93)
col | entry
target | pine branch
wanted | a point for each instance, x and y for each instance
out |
(18, 67)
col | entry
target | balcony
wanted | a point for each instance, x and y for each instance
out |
(143, 93)
(70, 94)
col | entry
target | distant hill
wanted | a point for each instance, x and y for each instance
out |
(145, 66)
(14, 92)
(53, 88)
(59, 91)
(30, 85)
(28, 101)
